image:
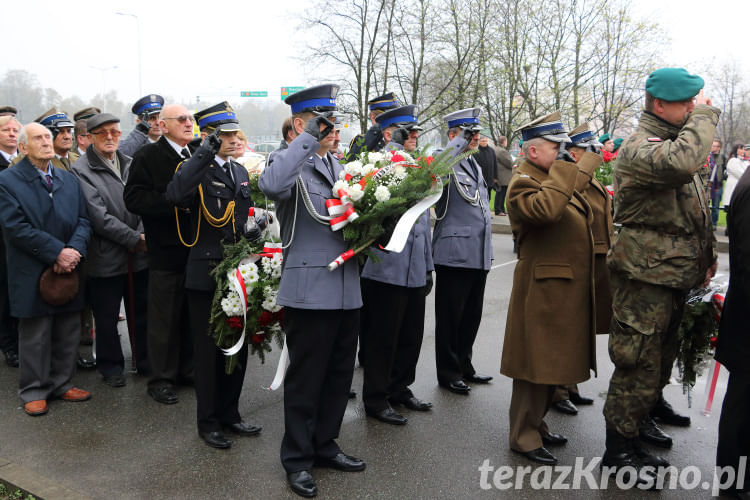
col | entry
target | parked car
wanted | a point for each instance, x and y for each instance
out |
(265, 148)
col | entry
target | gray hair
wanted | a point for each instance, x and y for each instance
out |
(23, 136)
(531, 142)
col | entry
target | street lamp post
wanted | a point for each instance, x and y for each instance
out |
(138, 25)
(104, 72)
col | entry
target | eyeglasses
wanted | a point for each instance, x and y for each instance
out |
(107, 133)
(181, 118)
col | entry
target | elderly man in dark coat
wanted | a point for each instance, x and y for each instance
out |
(43, 215)
(733, 349)
(117, 250)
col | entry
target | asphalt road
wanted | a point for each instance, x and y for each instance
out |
(123, 445)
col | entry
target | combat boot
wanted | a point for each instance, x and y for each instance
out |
(663, 411)
(647, 458)
(621, 453)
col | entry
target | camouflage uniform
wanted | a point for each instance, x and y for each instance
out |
(664, 247)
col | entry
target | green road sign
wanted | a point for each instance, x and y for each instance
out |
(287, 91)
(254, 93)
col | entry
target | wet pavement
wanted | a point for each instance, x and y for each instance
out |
(123, 445)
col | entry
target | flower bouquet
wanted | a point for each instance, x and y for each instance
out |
(244, 308)
(381, 194)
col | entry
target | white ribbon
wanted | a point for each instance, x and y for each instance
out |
(405, 223)
(281, 369)
(237, 283)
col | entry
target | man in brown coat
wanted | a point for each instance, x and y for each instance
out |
(582, 140)
(549, 336)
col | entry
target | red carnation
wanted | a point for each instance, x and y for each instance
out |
(279, 316)
(265, 318)
(257, 338)
(397, 158)
(429, 159)
(234, 322)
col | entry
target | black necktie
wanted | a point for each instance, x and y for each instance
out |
(328, 166)
(185, 153)
(48, 178)
(228, 169)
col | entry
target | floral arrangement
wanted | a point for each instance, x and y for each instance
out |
(244, 308)
(377, 188)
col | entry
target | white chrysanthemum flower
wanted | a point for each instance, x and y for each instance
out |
(342, 175)
(382, 193)
(356, 192)
(353, 168)
(375, 157)
(368, 169)
(231, 304)
(340, 185)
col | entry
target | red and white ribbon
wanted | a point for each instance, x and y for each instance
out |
(269, 249)
(342, 212)
(341, 259)
(237, 283)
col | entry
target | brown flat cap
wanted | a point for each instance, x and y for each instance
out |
(8, 110)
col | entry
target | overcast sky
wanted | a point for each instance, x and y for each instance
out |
(217, 49)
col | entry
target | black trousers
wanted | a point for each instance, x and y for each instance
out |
(217, 393)
(322, 345)
(500, 199)
(105, 295)
(734, 440)
(394, 340)
(8, 325)
(459, 294)
(170, 344)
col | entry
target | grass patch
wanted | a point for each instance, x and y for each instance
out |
(9, 494)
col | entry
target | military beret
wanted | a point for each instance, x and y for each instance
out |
(8, 110)
(219, 116)
(86, 113)
(673, 84)
(99, 120)
(317, 98)
(618, 142)
(605, 137)
(549, 127)
(383, 102)
(149, 105)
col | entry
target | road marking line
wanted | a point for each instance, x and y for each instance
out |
(504, 264)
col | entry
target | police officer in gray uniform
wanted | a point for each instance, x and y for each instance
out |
(462, 252)
(322, 307)
(373, 139)
(393, 295)
(147, 110)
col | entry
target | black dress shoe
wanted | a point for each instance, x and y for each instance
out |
(85, 364)
(554, 439)
(163, 394)
(302, 483)
(457, 386)
(114, 380)
(540, 456)
(243, 429)
(342, 462)
(666, 414)
(565, 406)
(478, 379)
(412, 403)
(647, 458)
(389, 416)
(215, 439)
(576, 398)
(651, 433)
(11, 358)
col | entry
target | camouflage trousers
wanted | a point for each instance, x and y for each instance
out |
(643, 345)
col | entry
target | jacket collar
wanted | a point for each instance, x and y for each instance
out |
(320, 167)
(97, 163)
(31, 174)
(658, 127)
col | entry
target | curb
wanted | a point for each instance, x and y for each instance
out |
(16, 477)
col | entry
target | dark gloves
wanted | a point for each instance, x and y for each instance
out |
(565, 155)
(212, 142)
(253, 231)
(428, 285)
(469, 131)
(314, 123)
(399, 136)
(373, 138)
(143, 125)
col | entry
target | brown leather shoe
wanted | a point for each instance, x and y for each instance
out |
(36, 408)
(76, 394)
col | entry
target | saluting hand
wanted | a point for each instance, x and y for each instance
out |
(702, 99)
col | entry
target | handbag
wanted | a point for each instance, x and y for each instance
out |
(58, 289)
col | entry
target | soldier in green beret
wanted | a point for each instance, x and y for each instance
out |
(665, 247)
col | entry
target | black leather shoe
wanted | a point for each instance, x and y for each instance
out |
(553, 439)
(540, 456)
(352, 394)
(478, 379)
(389, 416)
(302, 483)
(412, 403)
(342, 462)
(651, 433)
(577, 399)
(457, 386)
(243, 429)
(666, 414)
(565, 406)
(163, 394)
(647, 458)
(11, 358)
(114, 380)
(215, 439)
(85, 364)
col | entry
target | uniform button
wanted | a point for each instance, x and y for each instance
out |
(304, 262)
(208, 254)
(36, 250)
(305, 146)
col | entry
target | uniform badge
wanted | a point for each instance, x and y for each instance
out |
(524, 176)
(654, 139)
(243, 184)
(218, 184)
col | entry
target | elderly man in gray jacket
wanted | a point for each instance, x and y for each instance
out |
(116, 255)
